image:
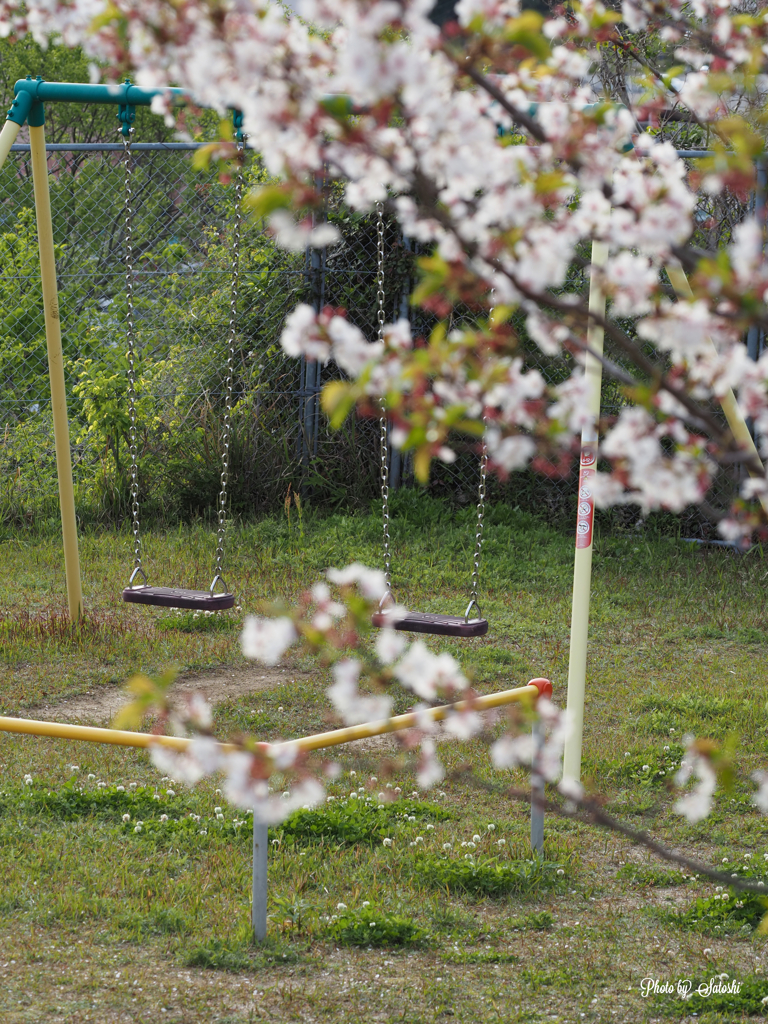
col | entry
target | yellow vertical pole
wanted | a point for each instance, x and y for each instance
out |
(7, 139)
(730, 406)
(56, 370)
(582, 567)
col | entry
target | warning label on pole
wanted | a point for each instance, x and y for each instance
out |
(586, 507)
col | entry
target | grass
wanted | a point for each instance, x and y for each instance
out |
(101, 922)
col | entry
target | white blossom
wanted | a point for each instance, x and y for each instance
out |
(267, 640)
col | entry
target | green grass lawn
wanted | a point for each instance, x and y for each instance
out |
(101, 922)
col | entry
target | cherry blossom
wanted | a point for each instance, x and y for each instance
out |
(696, 804)
(266, 640)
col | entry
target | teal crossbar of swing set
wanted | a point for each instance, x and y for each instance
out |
(31, 93)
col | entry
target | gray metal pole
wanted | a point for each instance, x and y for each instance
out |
(537, 790)
(260, 856)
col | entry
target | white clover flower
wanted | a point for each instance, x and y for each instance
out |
(430, 827)
(475, 838)
(91, 777)
(126, 818)
(138, 827)
(132, 785)
(560, 871)
(501, 842)
(365, 903)
(163, 817)
(341, 906)
(387, 841)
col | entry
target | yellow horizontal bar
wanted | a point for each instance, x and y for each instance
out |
(411, 718)
(122, 738)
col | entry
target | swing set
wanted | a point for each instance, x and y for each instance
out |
(28, 107)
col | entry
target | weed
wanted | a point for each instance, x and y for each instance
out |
(538, 920)
(488, 878)
(354, 821)
(726, 913)
(374, 927)
(198, 622)
(723, 992)
(650, 768)
(645, 875)
(218, 956)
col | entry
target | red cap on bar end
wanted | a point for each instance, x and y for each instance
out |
(542, 685)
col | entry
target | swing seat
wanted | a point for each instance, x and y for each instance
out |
(429, 622)
(172, 597)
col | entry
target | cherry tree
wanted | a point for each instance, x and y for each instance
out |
(491, 143)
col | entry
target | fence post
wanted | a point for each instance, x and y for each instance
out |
(259, 890)
(310, 371)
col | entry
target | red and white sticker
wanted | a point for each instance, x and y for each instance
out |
(586, 507)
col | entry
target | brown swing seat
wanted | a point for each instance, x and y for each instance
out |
(429, 622)
(176, 597)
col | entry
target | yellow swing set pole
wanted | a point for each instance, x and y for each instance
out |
(7, 139)
(118, 737)
(730, 406)
(582, 566)
(55, 358)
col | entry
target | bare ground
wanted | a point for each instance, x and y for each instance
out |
(218, 684)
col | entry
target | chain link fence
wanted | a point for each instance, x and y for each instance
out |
(183, 221)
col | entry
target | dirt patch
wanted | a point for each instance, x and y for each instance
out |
(225, 683)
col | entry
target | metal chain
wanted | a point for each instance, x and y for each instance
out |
(383, 438)
(236, 233)
(475, 584)
(131, 353)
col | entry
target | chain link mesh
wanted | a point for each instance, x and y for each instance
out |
(199, 350)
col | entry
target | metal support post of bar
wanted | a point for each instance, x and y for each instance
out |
(537, 793)
(582, 567)
(56, 369)
(259, 891)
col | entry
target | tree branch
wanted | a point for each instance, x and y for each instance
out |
(590, 812)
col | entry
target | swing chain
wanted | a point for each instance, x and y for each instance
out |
(383, 433)
(131, 354)
(232, 339)
(475, 584)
